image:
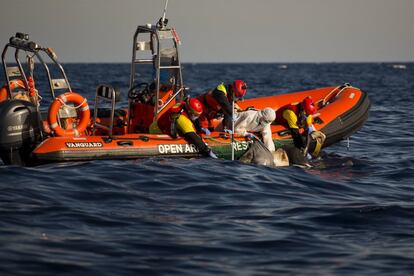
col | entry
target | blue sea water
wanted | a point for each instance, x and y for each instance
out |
(351, 214)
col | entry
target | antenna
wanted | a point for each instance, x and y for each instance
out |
(165, 10)
(163, 21)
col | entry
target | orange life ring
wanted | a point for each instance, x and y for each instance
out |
(80, 102)
(14, 84)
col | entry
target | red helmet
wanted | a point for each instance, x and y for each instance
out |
(308, 105)
(239, 88)
(194, 106)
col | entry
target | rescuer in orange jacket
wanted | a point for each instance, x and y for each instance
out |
(220, 100)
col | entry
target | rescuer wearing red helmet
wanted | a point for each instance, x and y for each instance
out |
(179, 120)
(219, 100)
(295, 116)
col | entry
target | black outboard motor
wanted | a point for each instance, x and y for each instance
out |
(19, 131)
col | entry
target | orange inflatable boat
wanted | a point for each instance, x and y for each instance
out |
(343, 110)
(71, 130)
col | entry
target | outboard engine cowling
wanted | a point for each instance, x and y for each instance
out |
(19, 131)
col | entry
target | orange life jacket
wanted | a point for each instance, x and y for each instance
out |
(210, 105)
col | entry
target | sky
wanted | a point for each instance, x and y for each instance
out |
(221, 30)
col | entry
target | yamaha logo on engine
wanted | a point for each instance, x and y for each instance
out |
(17, 127)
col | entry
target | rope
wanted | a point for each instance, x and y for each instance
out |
(343, 87)
(36, 98)
(69, 106)
(220, 142)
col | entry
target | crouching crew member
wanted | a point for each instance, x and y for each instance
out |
(179, 120)
(219, 100)
(300, 115)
